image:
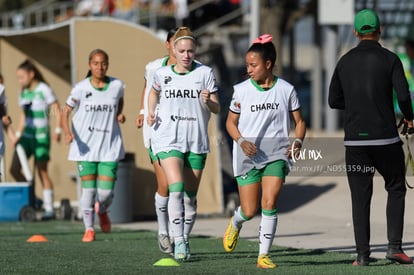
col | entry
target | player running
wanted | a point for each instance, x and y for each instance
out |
(161, 196)
(187, 94)
(258, 122)
(95, 139)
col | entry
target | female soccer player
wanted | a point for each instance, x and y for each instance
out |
(187, 94)
(95, 139)
(33, 133)
(161, 196)
(258, 122)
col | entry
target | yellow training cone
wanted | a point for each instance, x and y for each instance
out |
(166, 262)
(37, 239)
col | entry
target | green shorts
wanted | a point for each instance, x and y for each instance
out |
(276, 168)
(151, 155)
(191, 160)
(104, 168)
(39, 147)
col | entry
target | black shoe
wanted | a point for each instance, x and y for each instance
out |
(361, 261)
(397, 255)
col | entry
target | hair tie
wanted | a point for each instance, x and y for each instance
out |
(264, 38)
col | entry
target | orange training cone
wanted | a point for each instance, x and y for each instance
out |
(37, 239)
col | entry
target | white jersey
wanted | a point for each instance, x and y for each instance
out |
(150, 69)
(2, 102)
(182, 118)
(35, 105)
(264, 120)
(97, 135)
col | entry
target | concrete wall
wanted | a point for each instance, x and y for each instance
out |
(61, 54)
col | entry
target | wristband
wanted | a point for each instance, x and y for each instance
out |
(18, 134)
(298, 140)
(141, 112)
(58, 130)
(240, 140)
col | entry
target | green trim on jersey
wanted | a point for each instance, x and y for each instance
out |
(193, 66)
(165, 61)
(104, 88)
(261, 89)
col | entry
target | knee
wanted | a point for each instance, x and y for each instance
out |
(249, 212)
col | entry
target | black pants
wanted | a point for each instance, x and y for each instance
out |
(388, 161)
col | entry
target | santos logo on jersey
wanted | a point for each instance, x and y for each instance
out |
(100, 108)
(264, 107)
(172, 93)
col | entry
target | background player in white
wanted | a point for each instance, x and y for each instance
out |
(258, 122)
(33, 133)
(161, 196)
(95, 139)
(187, 94)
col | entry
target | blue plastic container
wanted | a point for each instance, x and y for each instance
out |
(13, 197)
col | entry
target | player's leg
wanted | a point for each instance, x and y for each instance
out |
(272, 181)
(161, 205)
(249, 189)
(42, 157)
(88, 175)
(172, 164)
(105, 183)
(193, 170)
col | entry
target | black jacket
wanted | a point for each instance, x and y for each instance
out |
(362, 85)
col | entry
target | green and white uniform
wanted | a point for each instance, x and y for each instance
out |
(182, 118)
(35, 138)
(97, 135)
(264, 120)
(2, 102)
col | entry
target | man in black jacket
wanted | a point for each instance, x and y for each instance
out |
(362, 86)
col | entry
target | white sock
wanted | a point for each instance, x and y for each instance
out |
(87, 202)
(105, 197)
(48, 200)
(267, 232)
(190, 212)
(238, 219)
(175, 211)
(161, 209)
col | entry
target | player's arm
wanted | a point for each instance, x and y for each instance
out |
(67, 110)
(152, 103)
(139, 121)
(120, 116)
(300, 132)
(55, 107)
(232, 128)
(211, 100)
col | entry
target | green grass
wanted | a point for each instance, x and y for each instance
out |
(135, 252)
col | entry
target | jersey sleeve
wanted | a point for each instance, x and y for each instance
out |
(293, 101)
(235, 103)
(156, 84)
(74, 97)
(49, 95)
(211, 82)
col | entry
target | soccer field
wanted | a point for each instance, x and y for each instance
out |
(135, 252)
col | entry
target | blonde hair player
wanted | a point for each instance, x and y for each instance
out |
(95, 139)
(187, 95)
(258, 122)
(161, 196)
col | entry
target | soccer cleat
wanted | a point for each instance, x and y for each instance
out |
(89, 236)
(104, 220)
(164, 244)
(48, 215)
(398, 256)
(361, 261)
(263, 261)
(180, 251)
(230, 237)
